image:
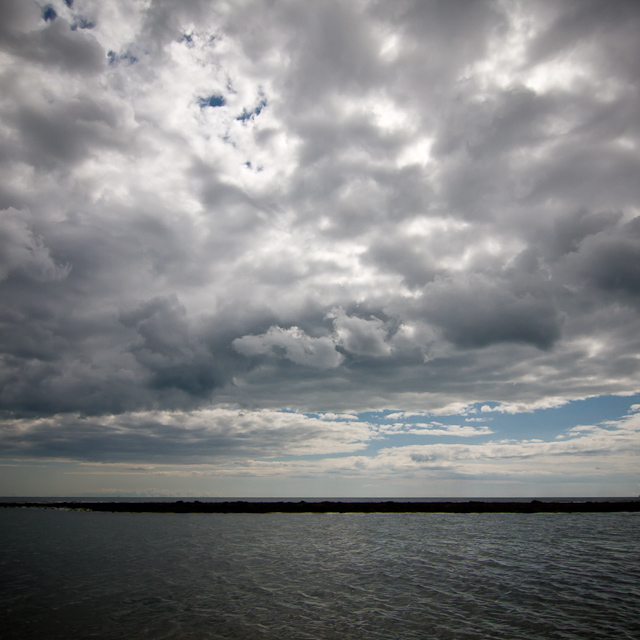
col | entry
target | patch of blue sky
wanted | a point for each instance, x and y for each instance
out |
(541, 424)
(214, 100)
(82, 23)
(407, 439)
(127, 56)
(546, 424)
(49, 14)
(248, 115)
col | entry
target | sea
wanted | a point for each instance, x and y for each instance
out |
(76, 574)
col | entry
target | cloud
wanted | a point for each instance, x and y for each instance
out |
(499, 315)
(46, 41)
(23, 253)
(359, 336)
(191, 437)
(586, 455)
(294, 344)
(608, 260)
(595, 452)
(436, 429)
(524, 407)
(331, 207)
(167, 349)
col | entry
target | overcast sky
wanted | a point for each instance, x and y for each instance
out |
(320, 248)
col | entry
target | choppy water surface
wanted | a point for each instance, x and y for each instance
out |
(303, 576)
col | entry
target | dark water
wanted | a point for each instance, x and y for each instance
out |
(300, 576)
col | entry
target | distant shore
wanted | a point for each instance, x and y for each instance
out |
(338, 506)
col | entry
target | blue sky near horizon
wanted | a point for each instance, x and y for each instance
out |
(547, 425)
(320, 248)
(544, 424)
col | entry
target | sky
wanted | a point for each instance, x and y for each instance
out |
(321, 248)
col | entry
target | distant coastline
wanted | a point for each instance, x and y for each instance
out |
(338, 506)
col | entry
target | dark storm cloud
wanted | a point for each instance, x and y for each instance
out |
(406, 259)
(167, 349)
(321, 205)
(610, 29)
(610, 260)
(54, 46)
(65, 133)
(499, 315)
(166, 436)
(24, 253)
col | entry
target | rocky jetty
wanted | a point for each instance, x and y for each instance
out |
(339, 506)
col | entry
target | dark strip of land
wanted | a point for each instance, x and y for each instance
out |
(240, 506)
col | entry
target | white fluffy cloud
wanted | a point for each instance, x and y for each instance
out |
(294, 344)
(585, 454)
(435, 429)
(360, 336)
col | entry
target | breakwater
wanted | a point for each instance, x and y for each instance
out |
(334, 506)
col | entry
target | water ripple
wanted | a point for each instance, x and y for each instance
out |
(319, 576)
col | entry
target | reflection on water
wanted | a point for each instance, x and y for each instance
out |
(503, 576)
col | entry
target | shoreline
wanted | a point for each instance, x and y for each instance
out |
(327, 506)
